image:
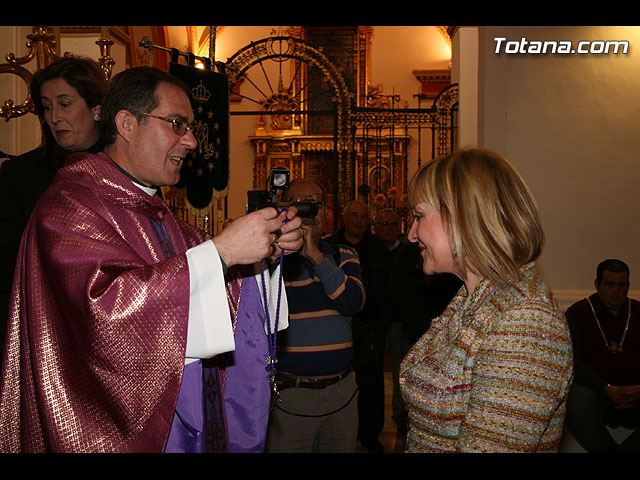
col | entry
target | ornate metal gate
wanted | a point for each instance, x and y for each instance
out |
(365, 155)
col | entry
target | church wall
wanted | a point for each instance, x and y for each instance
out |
(568, 122)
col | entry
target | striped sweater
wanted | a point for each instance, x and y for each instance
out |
(321, 300)
(492, 373)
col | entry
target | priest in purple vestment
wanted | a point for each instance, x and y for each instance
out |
(124, 335)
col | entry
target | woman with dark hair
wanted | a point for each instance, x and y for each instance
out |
(492, 373)
(67, 95)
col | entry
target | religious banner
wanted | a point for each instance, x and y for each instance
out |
(205, 171)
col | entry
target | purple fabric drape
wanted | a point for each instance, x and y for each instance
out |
(188, 432)
(247, 391)
(187, 429)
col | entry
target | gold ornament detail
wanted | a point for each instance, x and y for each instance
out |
(205, 147)
(200, 93)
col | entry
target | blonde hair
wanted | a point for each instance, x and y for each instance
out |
(493, 219)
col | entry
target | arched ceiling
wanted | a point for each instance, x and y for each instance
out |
(196, 39)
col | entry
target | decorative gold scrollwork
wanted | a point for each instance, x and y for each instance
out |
(41, 46)
(9, 109)
(205, 147)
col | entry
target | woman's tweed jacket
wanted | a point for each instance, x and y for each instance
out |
(492, 373)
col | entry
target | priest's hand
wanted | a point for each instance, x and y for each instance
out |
(259, 235)
(289, 238)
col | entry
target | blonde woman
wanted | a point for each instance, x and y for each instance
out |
(492, 372)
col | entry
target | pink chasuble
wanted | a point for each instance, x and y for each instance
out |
(98, 321)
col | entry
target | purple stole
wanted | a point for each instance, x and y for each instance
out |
(247, 391)
(241, 375)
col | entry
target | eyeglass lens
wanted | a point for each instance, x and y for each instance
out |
(315, 197)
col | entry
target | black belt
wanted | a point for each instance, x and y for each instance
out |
(285, 380)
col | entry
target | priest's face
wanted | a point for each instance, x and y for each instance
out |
(157, 149)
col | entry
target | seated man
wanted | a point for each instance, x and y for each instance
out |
(605, 331)
(318, 394)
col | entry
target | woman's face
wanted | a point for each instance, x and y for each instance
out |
(69, 118)
(431, 233)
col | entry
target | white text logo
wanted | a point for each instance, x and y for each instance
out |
(596, 47)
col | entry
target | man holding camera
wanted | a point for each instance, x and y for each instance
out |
(317, 411)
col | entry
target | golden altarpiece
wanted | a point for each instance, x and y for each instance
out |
(317, 113)
(322, 118)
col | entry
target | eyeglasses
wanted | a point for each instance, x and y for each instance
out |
(180, 125)
(314, 197)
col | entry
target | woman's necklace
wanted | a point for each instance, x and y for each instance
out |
(613, 346)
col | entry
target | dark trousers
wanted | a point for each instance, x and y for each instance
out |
(371, 399)
(589, 412)
(370, 380)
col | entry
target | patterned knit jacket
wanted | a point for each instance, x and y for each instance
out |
(492, 373)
